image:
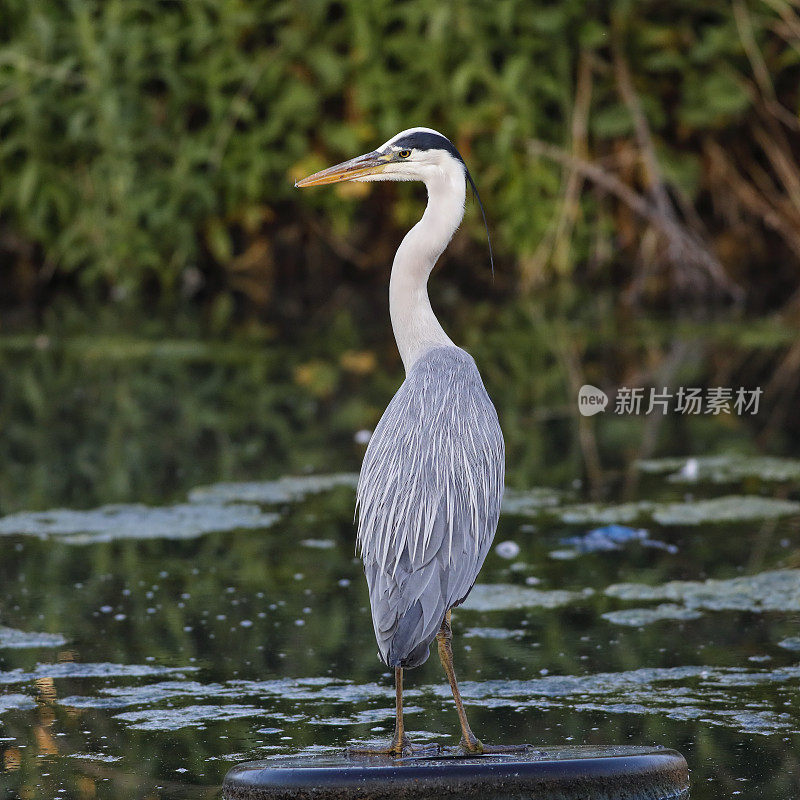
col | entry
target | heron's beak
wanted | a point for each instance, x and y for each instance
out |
(370, 164)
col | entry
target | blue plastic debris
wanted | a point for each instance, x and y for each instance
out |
(615, 537)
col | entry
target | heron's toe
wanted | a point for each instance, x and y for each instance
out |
(472, 744)
(397, 748)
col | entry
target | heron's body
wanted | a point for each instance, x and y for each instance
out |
(432, 479)
(429, 498)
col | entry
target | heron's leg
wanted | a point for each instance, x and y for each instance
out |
(400, 743)
(469, 741)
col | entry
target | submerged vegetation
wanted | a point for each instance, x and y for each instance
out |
(133, 666)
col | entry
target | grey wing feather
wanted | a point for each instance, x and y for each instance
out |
(428, 501)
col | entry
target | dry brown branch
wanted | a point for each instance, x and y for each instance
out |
(657, 189)
(579, 134)
(765, 97)
(557, 240)
(760, 203)
(685, 246)
(790, 30)
(745, 27)
(655, 183)
(783, 164)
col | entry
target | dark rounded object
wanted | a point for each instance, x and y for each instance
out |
(547, 773)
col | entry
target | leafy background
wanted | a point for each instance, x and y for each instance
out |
(150, 147)
(638, 162)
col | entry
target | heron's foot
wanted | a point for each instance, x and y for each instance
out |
(475, 746)
(397, 748)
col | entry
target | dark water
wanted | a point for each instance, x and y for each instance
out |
(144, 649)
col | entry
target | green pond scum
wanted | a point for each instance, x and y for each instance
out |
(146, 649)
(180, 589)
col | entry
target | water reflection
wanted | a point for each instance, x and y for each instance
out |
(129, 663)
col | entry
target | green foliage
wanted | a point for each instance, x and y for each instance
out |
(140, 140)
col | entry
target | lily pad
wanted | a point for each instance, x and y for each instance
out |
(73, 669)
(724, 468)
(115, 522)
(639, 617)
(599, 514)
(530, 502)
(12, 638)
(290, 489)
(506, 596)
(778, 590)
(733, 508)
(741, 508)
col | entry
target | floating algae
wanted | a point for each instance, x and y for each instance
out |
(598, 514)
(492, 633)
(778, 590)
(507, 550)
(368, 716)
(734, 508)
(724, 469)
(293, 489)
(290, 489)
(12, 638)
(236, 506)
(679, 693)
(115, 522)
(313, 690)
(16, 702)
(743, 508)
(173, 719)
(158, 705)
(102, 758)
(72, 669)
(529, 502)
(148, 694)
(638, 617)
(506, 596)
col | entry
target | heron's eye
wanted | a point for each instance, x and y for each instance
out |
(404, 153)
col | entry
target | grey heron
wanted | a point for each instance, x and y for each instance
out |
(430, 487)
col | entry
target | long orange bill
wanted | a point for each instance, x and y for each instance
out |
(369, 164)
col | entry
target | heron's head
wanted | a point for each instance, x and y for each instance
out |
(418, 154)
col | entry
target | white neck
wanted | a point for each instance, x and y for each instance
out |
(415, 326)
